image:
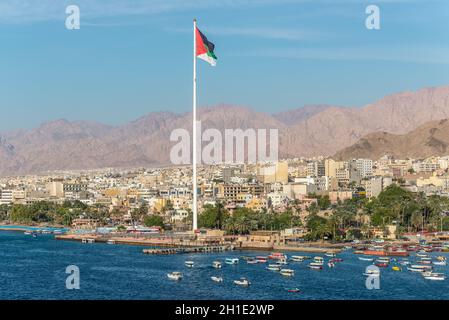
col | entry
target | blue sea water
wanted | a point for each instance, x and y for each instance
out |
(34, 268)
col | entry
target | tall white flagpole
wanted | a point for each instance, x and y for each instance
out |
(195, 213)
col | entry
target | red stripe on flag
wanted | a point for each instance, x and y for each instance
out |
(200, 47)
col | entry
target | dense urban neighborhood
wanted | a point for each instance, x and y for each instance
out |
(307, 199)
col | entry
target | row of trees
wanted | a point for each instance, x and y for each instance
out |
(244, 220)
(407, 210)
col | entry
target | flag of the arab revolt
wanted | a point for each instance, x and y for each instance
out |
(205, 48)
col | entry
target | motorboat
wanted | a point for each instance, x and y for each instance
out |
(232, 261)
(287, 272)
(189, 264)
(252, 261)
(434, 276)
(330, 254)
(315, 266)
(293, 290)
(110, 241)
(331, 264)
(336, 260)
(174, 275)
(242, 282)
(366, 259)
(396, 268)
(216, 264)
(439, 263)
(372, 273)
(274, 267)
(217, 279)
(261, 259)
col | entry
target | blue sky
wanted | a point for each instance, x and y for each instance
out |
(133, 57)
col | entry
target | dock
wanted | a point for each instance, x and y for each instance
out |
(200, 249)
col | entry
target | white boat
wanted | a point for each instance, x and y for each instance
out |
(415, 269)
(318, 259)
(174, 275)
(84, 240)
(441, 258)
(439, 263)
(419, 266)
(252, 261)
(282, 262)
(434, 276)
(242, 282)
(422, 255)
(316, 264)
(90, 240)
(274, 267)
(315, 267)
(28, 233)
(372, 273)
(330, 254)
(189, 264)
(110, 241)
(297, 258)
(217, 279)
(232, 260)
(366, 259)
(216, 264)
(331, 264)
(287, 272)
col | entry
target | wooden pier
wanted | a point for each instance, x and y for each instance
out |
(200, 249)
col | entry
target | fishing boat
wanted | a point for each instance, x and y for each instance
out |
(242, 282)
(420, 266)
(189, 264)
(277, 255)
(372, 273)
(174, 275)
(441, 258)
(28, 233)
(366, 259)
(396, 268)
(415, 269)
(336, 260)
(261, 259)
(381, 264)
(433, 276)
(439, 263)
(252, 261)
(110, 241)
(282, 262)
(331, 264)
(246, 258)
(217, 279)
(422, 255)
(293, 290)
(330, 254)
(315, 266)
(287, 272)
(232, 261)
(216, 264)
(274, 267)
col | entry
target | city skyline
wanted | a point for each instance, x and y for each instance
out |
(113, 71)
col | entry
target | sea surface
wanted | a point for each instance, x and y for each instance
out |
(35, 268)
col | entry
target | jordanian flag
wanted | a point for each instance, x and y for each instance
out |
(205, 48)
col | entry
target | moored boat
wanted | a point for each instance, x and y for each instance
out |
(232, 261)
(242, 282)
(189, 264)
(287, 272)
(174, 275)
(216, 264)
(217, 279)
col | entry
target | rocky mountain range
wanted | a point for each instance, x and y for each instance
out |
(307, 131)
(430, 139)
